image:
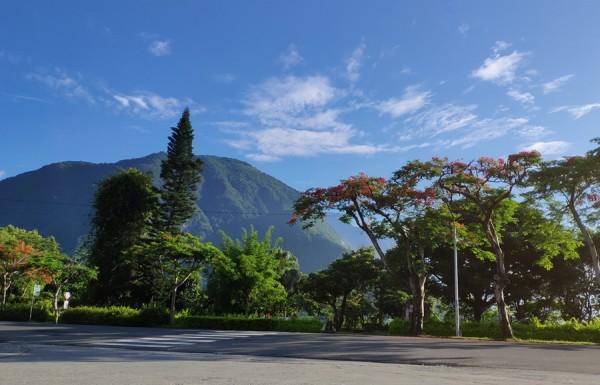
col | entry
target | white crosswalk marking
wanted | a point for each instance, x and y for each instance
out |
(169, 341)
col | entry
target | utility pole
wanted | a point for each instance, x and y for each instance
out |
(456, 302)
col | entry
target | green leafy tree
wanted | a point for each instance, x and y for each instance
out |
(353, 273)
(248, 277)
(61, 272)
(180, 174)
(177, 257)
(125, 205)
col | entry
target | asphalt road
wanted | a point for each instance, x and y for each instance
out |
(49, 354)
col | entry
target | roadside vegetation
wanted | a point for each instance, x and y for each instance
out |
(527, 242)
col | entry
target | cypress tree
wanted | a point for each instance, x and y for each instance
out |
(180, 174)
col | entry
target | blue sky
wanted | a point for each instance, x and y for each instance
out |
(308, 91)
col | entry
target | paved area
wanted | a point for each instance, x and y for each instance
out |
(66, 354)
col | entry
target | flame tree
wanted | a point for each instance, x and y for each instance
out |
(397, 208)
(575, 183)
(488, 183)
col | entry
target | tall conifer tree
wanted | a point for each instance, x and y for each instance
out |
(180, 174)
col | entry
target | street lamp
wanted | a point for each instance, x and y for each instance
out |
(456, 301)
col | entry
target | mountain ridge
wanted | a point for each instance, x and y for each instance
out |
(56, 199)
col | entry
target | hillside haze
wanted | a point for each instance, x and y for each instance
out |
(56, 200)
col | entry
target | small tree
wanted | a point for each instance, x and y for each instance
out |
(177, 257)
(248, 277)
(180, 174)
(354, 272)
(16, 250)
(488, 183)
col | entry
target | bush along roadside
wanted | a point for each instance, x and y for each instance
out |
(20, 312)
(154, 316)
(571, 331)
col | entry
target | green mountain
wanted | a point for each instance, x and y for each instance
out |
(56, 200)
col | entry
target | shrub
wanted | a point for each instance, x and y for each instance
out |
(20, 312)
(566, 331)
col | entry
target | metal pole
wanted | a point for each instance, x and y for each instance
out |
(31, 308)
(456, 302)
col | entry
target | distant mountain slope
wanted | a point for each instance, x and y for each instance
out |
(56, 200)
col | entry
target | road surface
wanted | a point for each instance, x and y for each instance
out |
(66, 354)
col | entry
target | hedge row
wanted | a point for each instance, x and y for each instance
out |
(115, 315)
(153, 316)
(20, 312)
(573, 330)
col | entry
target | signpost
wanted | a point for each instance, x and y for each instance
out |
(66, 302)
(37, 288)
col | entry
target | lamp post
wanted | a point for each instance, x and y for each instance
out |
(456, 301)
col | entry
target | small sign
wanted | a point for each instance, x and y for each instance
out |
(37, 288)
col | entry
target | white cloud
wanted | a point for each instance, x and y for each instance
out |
(2, 174)
(500, 46)
(354, 62)
(556, 84)
(522, 97)
(412, 100)
(578, 111)
(62, 82)
(553, 148)
(160, 47)
(464, 28)
(153, 106)
(291, 57)
(499, 69)
(274, 143)
(443, 119)
(278, 101)
(487, 129)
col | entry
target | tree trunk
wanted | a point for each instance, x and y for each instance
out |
(500, 280)
(5, 287)
(587, 238)
(417, 288)
(172, 308)
(340, 318)
(56, 310)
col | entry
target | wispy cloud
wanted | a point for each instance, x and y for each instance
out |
(413, 100)
(66, 85)
(499, 68)
(443, 119)
(525, 98)
(578, 111)
(160, 47)
(553, 148)
(464, 28)
(487, 129)
(2, 174)
(291, 57)
(224, 77)
(354, 62)
(556, 84)
(153, 106)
